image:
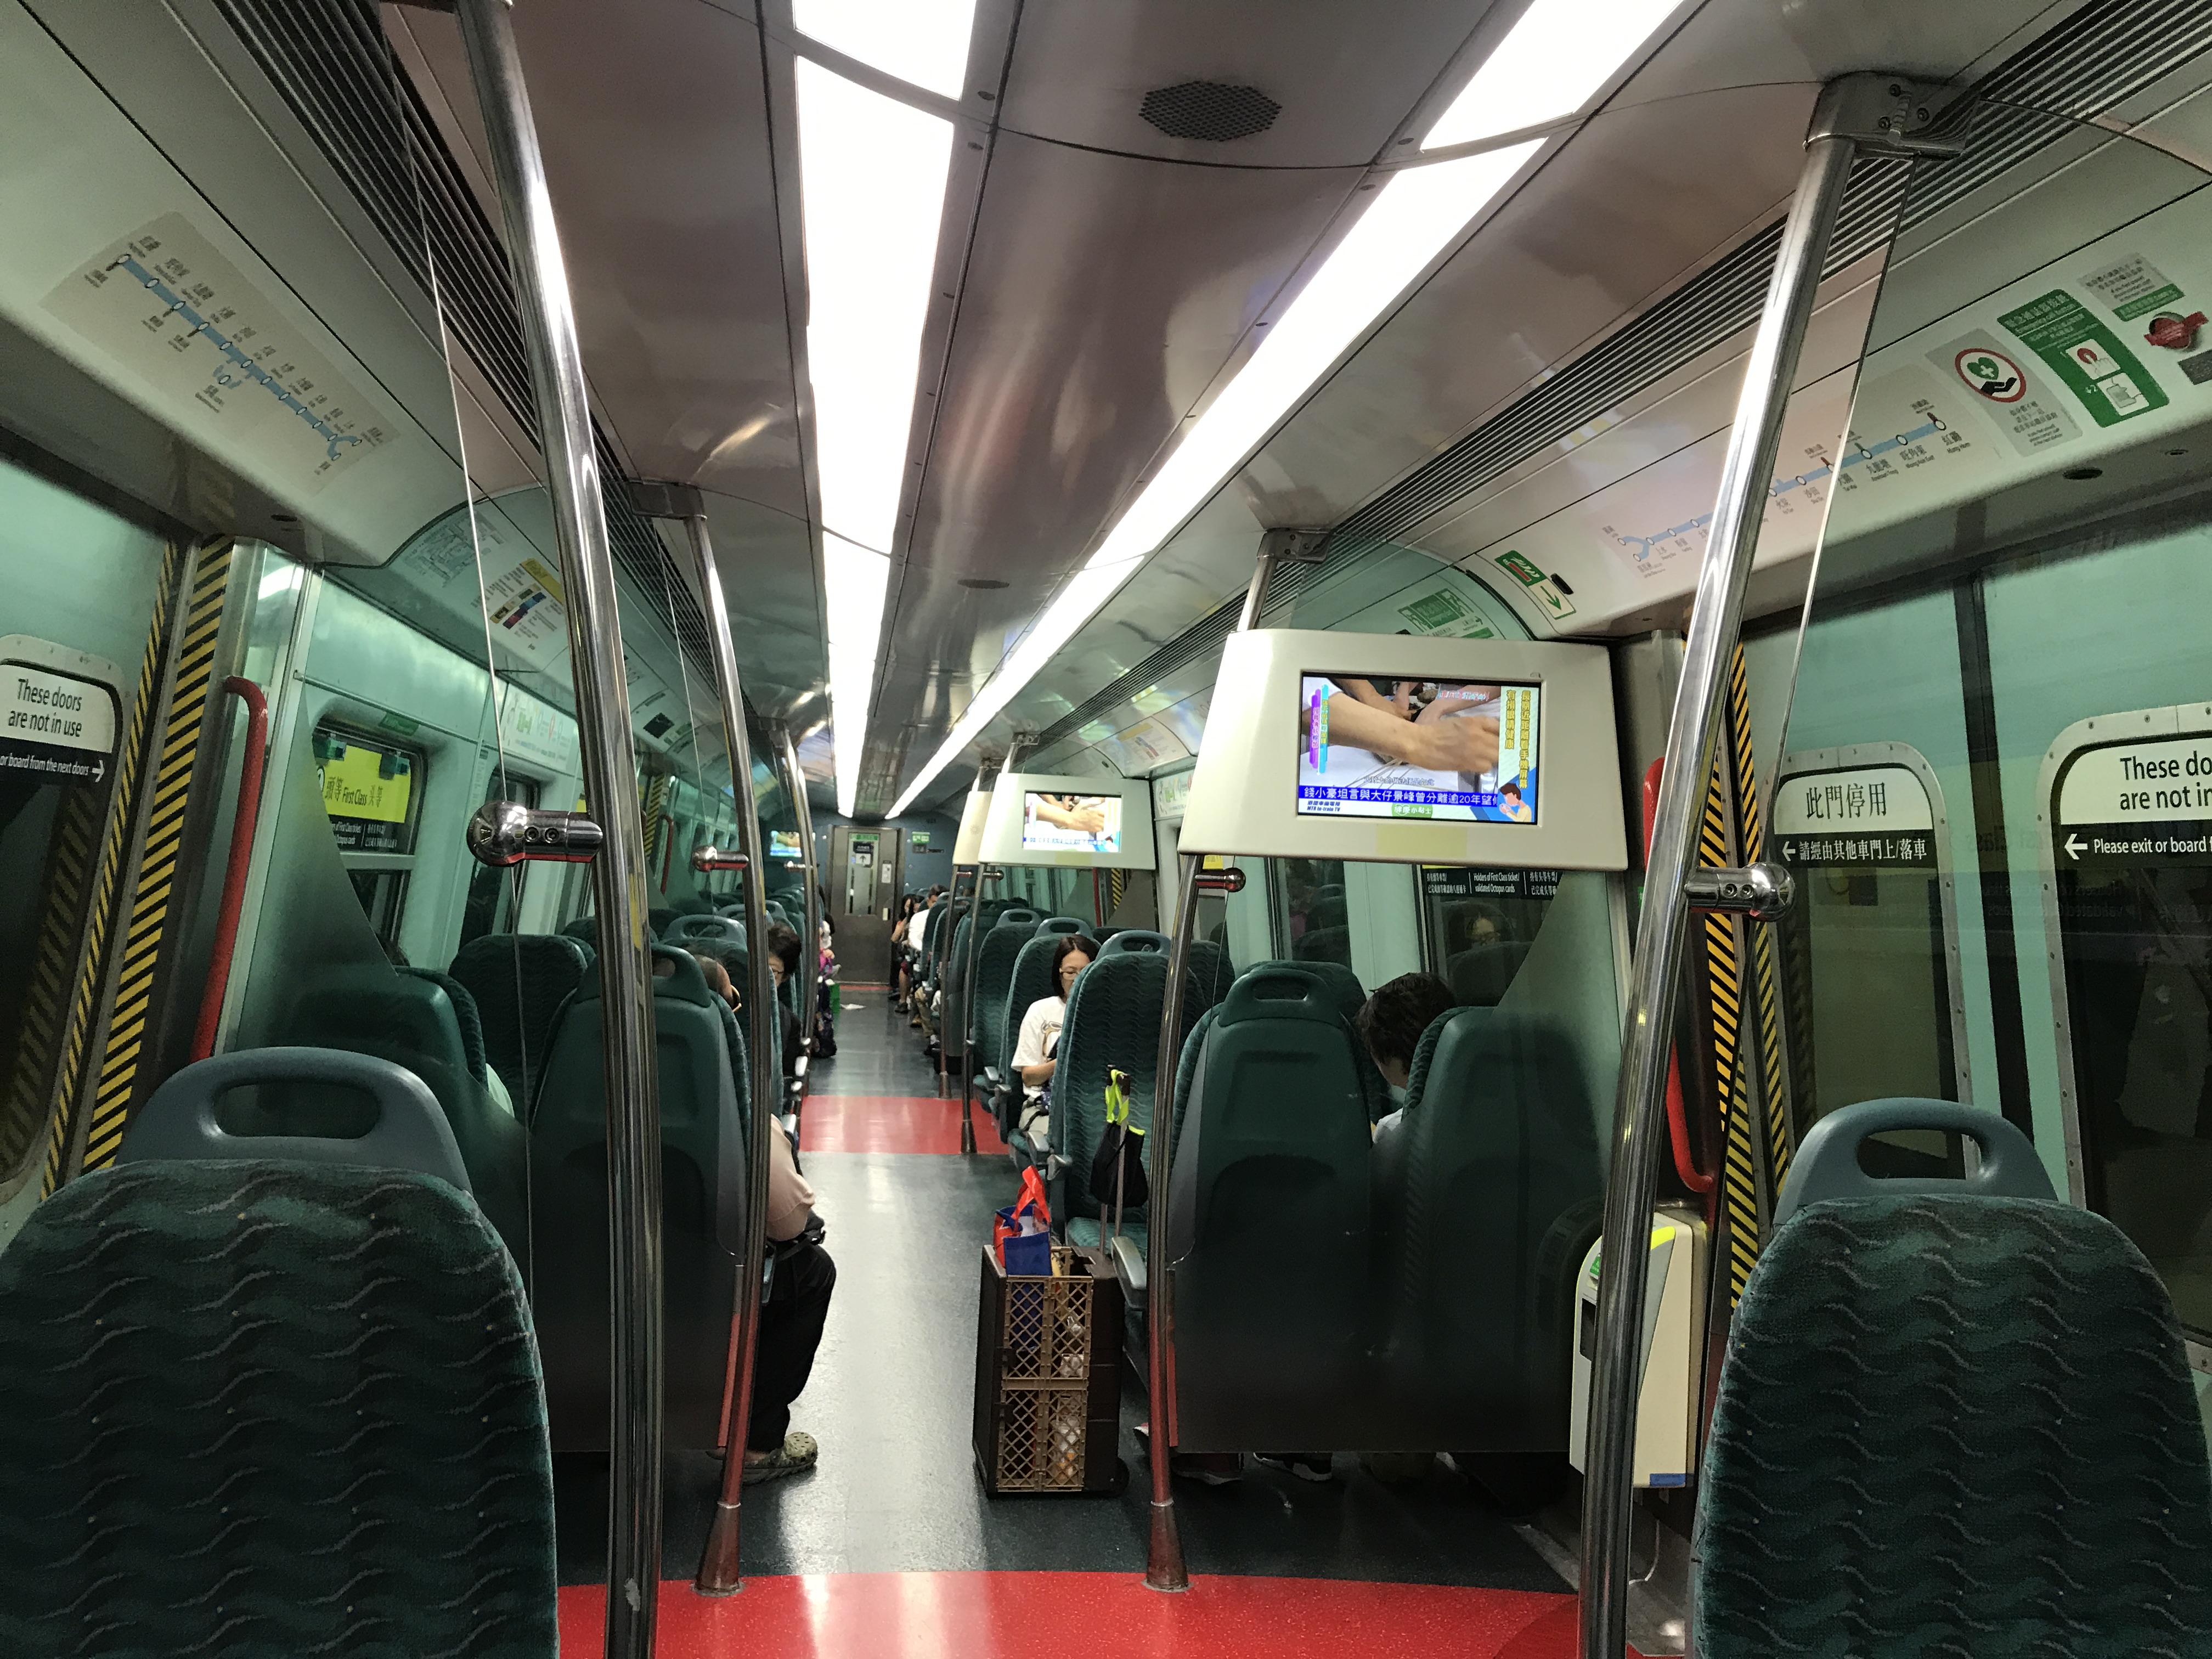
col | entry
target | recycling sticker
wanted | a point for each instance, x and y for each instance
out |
(2087, 357)
(54, 725)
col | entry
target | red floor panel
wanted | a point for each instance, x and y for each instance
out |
(890, 1123)
(1094, 1615)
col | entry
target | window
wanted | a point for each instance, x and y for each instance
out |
(1310, 911)
(372, 793)
(1477, 926)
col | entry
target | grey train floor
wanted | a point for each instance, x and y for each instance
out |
(891, 1399)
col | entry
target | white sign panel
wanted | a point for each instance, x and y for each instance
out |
(2139, 783)
(53, 725)
(1870, 815)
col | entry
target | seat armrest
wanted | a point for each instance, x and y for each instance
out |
(1128, 1262)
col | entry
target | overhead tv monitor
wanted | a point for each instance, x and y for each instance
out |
(1090, 822)
(1398, 748)
(783, 844)
(1383, 746)
(968, 843)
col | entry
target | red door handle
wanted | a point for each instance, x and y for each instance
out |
(1677, 1121)
(241, 855)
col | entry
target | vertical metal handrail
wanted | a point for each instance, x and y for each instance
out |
(1869, 110)
(1164, 1562)
(810, 959)
(719, 1573)
(571, 477)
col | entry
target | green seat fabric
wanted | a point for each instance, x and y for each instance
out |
(519, 981)
(691, 930)
(1324, 944)
(953, 1028)
(412, 1019)
(1269, 1223)
(264, 1409)
(1113, 1023)
(1029, 981)
(465, 1015)
(1487, 1188)
(700, 1064)
(1480, 975)
(1119, 941)
(1063, 925)
(1209, 973)
(995, 978)
(660, 919)
(1350, 996)
(1953, 1425)
(585, 930)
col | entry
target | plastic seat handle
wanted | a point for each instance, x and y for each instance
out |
(410, 1131)
(1827, 1162)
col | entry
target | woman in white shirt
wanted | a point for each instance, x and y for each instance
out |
(1035, 1051)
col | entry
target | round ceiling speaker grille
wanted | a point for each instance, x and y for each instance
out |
(1208, 111)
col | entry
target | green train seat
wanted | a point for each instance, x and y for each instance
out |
(1488, 1187)
(994, 977)
(266, 1407)
(1113, 1023)
(519, 981)
(707, 930)
(1269, 1223)
(413, 1020)
(703, 1196)
(1029, 981)
(1957, 1424)
(1121, 941)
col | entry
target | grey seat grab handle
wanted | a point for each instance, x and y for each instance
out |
(1135, 941)
(1827, 1162)
(410, 1131)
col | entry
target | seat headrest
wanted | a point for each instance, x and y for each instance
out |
(677, 977)
(1063, 925)
(720, 930)
(1019, 912)
(1828, 1163)
(1342, 982)
(1277, 993)
(1130, 940)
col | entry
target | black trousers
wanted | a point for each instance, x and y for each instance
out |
(790, 1331)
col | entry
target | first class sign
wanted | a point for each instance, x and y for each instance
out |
(54, 726)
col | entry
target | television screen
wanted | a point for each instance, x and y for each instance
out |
(1071, 823)
(1371, 746)
(783, 843)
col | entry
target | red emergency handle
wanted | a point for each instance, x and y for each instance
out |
(1677, 1118)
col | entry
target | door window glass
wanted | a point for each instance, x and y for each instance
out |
(1478, 925)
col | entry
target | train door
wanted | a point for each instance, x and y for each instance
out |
(2001, 637)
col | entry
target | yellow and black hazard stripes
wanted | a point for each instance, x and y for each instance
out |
(114, 846)
(658, 825)
(1774, 1083)
(154, 882)
(1724, 984)
(57, 962)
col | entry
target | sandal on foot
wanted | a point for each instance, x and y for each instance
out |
(797, 1454)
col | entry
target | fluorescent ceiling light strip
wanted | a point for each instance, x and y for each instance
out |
(872, 175)
(1551, 62)
(856, 582)
(921, 41)
(1413, 217)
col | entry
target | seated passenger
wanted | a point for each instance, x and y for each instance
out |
(790, 1321)
(782, 967)
(1035, 1049)
(1391, 1022)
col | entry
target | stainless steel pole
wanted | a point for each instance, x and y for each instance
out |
(1655, 977)
(1164, 1563)
(719, 1573)
(810, 959)
(564, 422)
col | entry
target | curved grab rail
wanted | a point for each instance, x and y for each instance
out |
(1678, 1117)
(241, 858)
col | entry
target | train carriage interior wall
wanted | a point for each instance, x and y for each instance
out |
(850, 826)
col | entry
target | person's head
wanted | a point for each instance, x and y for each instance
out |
(718, 977)
(1480, 924)
(1075, 952)
(782, 952)
(1391, 1021)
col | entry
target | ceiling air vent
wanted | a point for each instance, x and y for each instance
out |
(1209, 111)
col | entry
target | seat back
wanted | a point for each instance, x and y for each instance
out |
(585, 930)
(707, 929)
(1124, 939)
(1827, 1164)
(994, 977)
(519, 981)
(1480, 975)
(699, 1065)
(1063, 925)
(465, 1015)
(1323, 945)
(412, 1020)
(269, 1407)
(953, 1028)
(1327, 909)
(1346, 991)
(408, 1130)
(1268, 1219)
(1020, 913)
(1488, 1187)
(1113, 1023)
(1953, 1425)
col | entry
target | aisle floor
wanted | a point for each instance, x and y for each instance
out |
(896, 1497)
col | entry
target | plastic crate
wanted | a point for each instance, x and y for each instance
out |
(1048, 1377)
